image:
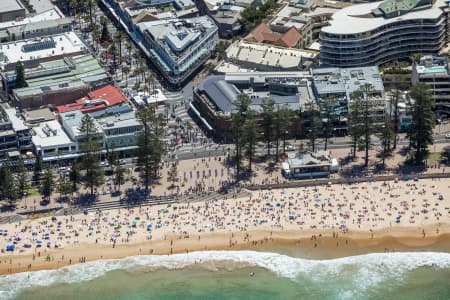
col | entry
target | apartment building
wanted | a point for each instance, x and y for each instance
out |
(378, 32)
(179, 46)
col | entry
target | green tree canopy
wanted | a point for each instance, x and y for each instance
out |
(90, 147)
(420, 131)
(20, 76)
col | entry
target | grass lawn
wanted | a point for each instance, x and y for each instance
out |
(32, 192)
(434, 157)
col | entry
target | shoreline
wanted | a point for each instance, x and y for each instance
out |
(309, 244)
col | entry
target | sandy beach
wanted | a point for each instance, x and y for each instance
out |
(327, 221)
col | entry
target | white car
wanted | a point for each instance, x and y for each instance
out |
(447, 136)
(290, 148)
(122, 162)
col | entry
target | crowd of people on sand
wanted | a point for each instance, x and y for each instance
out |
(364, 207)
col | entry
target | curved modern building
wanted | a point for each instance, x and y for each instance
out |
(379, 32)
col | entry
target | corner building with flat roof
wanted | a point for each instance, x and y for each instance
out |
(379, 32)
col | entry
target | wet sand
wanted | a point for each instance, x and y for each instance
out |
(293, 243)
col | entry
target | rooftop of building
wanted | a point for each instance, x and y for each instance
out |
(41, 5)
(147, 13)
(40, 48)
(243, 75)
(433, 66)
(33, 116)
(122, 120)
(346, 80)
(53, 87)
(52, 14)
(10, 5)
(48, 134)
(290, 16)
(178, 35)
(308, 4)
(321, 157)
(98, 99)
(84, 67)
(361, 18)
(223, 94)
(16, 120)
(399, 7)
(140, 3)
(226, 16)
(264, 34)
(267, 55)
(71, 121)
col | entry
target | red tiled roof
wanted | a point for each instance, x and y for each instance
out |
(262, 33)
(291, 37)
(258, 32)
(98, 99)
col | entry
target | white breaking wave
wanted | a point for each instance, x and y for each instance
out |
(364, 271)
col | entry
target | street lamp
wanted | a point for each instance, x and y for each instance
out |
(284, 141)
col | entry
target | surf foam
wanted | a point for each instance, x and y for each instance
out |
(364, 271)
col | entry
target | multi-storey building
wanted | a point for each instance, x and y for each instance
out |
(40, 49)
(50, 141)
(435, 72)
(15, 136)
(48, 22)
(213, 101)
(11, 10)
(378, 32)
(179, 46)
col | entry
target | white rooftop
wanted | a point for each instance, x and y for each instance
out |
(268, 55)
(65, 43)
(51, 14)
(354, 19)
(41, 5)
(17, 122)
(10, 5)
(50, 134)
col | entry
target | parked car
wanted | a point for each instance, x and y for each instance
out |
(290, 148)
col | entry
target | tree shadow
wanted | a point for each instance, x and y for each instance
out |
(410, 168)
(62, 199)
(135, 195)
(270, 167)
(7, 207)
(354, 170)
(346, 160)
(85, 199)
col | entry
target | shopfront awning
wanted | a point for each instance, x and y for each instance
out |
(200, 117)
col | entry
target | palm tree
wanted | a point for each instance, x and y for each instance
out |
(91, 6)
(113, 50)
(151, 82)
(145, 88)
(119, 36)
(95, 34)
(126, 70)
(188, 128)
(129, 47)
(135, 56)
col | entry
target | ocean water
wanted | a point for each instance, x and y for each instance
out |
(240, 275)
